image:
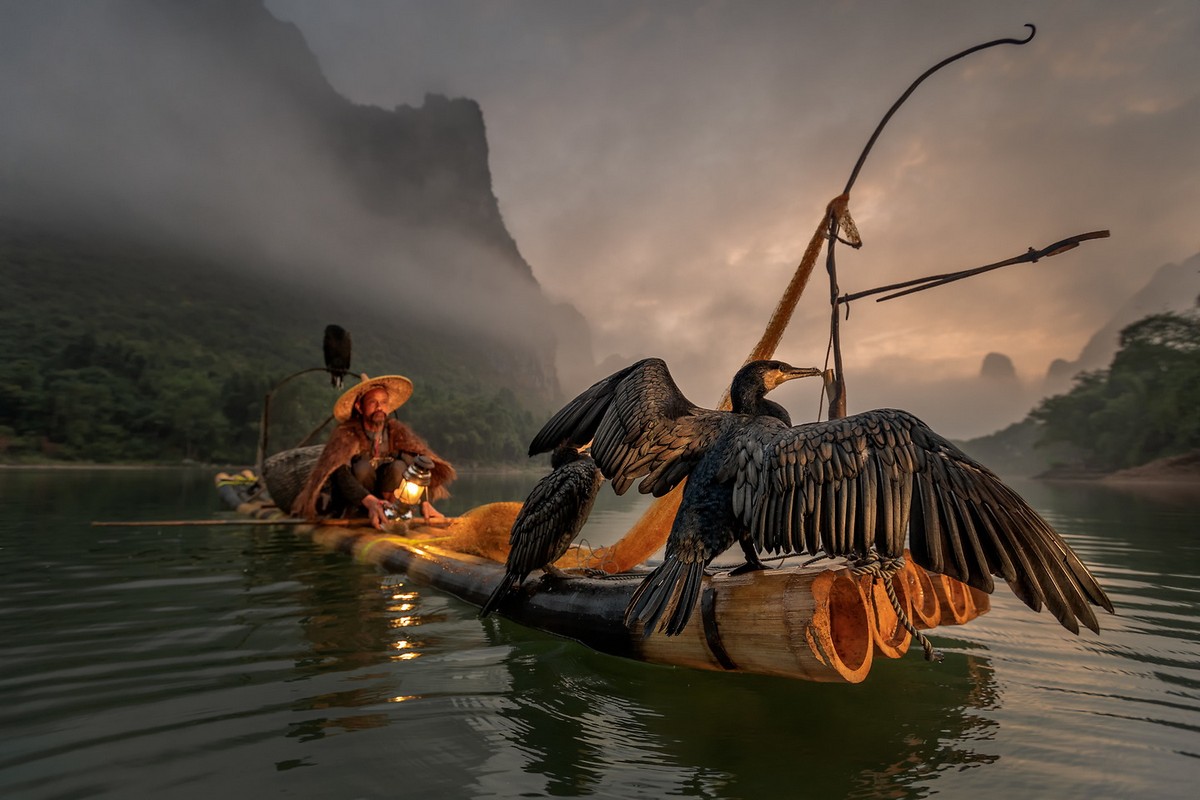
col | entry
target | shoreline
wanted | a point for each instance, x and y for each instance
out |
(1180, 470)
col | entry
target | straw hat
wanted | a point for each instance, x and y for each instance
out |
(399, 389)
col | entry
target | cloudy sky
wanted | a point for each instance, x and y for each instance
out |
(662, 165)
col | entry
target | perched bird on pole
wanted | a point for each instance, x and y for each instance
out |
(337, 353)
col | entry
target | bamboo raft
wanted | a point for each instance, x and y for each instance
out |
(809, 622)
(817, 622)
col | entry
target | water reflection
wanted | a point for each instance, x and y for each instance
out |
(586, 722)
(1104, 712)
(188, 662)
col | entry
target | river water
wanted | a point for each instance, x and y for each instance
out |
(244, 661)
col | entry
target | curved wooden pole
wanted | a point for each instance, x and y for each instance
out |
(264, 422)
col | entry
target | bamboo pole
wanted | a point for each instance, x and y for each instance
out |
(795, 622)
(179, 523)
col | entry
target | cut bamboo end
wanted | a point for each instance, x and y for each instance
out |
(809, 625)
(846, 642)
(981, 600)
(888, 633)
(954, 600)
(925, 610)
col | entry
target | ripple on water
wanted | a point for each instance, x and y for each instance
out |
(247, 661)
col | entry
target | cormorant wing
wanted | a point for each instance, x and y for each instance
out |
(557, 506)
(848, 486)
(639, 424)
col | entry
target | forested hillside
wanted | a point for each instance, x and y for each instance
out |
(187, 203)
(1146, 405)
(115, 351)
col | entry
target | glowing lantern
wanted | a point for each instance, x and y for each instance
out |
(415, 483)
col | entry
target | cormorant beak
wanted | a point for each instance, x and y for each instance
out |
(787, 372)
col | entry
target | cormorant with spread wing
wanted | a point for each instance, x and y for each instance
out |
(855, 487)
(550, 519)
(337, 353)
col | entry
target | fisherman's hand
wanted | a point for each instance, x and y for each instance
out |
(375, 507)
(430, 512)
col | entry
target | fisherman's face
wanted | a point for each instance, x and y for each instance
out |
(373, 407)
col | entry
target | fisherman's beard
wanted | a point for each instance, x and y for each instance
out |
(377, 419)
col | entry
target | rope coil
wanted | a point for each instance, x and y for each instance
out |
(884, 569)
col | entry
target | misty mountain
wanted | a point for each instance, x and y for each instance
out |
(1017, 450)
(1174, 287)
(998, 368)
(205, 129)
(1135, 402)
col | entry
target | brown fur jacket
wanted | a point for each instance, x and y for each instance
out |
(349, 440)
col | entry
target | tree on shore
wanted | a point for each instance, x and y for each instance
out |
(1145, 406)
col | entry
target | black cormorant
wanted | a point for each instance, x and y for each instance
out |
(337, 353)
(855, 487)
(549, 520)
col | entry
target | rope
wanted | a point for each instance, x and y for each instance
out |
(824, 392)
(884, 569)
(584, 553)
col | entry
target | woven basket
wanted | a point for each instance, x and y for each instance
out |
(286, 471)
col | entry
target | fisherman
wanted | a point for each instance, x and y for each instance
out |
(367, 455)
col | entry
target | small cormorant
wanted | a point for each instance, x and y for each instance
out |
(549, 520)
(337, 353)
(855, 487)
